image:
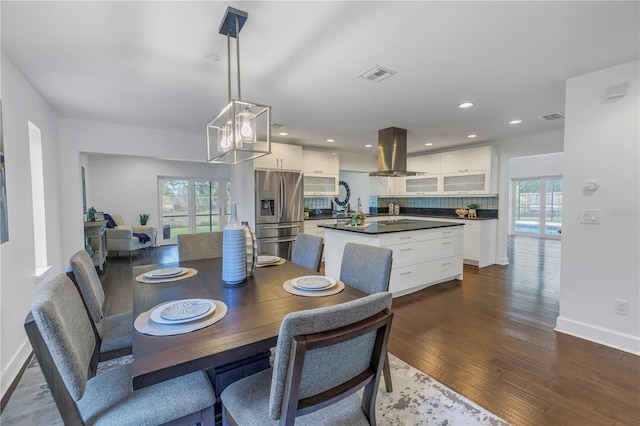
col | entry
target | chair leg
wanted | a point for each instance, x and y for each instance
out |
(386, 372)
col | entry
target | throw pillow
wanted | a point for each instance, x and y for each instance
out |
(110, 222)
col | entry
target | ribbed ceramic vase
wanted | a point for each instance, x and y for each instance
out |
(251, 245)
(234, 252)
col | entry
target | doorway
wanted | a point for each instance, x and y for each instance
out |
(192, 205)
(536, 209)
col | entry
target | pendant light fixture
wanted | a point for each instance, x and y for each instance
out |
(241, 131)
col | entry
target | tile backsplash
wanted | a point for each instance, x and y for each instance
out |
(318, 202)
(485, 203)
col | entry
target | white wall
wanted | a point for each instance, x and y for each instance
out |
(18, 283)
(129, 185)
(359, 187)
(600, 262)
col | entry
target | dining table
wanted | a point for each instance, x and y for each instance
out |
(237, 345)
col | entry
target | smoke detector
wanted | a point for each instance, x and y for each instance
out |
(552, 117)
(376, 74)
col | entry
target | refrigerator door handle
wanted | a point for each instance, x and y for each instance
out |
(279, 241)
(282, 200)
(282, 227)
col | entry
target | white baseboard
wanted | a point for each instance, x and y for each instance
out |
(504, 261)
(622, 341)
(10, 373)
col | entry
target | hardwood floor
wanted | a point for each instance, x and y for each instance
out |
(489, 337)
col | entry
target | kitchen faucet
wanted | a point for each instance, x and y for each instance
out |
(359, 205)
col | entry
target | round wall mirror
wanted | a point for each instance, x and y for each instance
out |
(343, 194)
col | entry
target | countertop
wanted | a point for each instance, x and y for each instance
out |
(426, 216)
(398, 225)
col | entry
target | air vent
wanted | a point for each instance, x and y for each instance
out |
(376, 74)
(551, 117)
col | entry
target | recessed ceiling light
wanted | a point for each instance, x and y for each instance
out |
(368, 145)
(515, 122)
(428, 144)
(283, 134)
(331, 140)
(471, 136)
(465, 105)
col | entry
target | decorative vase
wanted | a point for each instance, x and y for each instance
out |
(251, 245)
(234, 253)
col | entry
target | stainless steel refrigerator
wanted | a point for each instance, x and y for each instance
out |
(279, 211)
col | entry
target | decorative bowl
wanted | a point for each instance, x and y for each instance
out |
(461, 212)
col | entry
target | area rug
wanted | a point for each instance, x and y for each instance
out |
(417, 399)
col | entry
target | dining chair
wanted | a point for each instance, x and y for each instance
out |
(323, 357)
(307, 251)
(66, 347)
(115, 331)
(368, 269)
(202, 245)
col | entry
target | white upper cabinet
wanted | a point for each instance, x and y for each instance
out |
(283, 156)
(424, 164)
(320, 163)
(321, 173)
(466, 160)
(382, 185)
(471, 171)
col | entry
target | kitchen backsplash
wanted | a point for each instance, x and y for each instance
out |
(485, 203)
(318, 203)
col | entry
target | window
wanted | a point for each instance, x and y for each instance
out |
(192, 205)
(37, 194)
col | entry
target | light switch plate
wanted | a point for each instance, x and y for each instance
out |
(590, 216)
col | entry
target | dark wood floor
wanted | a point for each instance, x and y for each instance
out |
(490, 337)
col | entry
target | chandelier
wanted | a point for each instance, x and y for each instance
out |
(241, 131)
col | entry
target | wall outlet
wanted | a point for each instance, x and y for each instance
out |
(621, 307)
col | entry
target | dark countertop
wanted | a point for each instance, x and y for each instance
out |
(426, 216)
(387, 226)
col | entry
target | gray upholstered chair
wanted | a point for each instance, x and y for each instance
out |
(66, 347)
(115, 331)
(203, 245)
(368, 269)
(322, 358)
(307, 251)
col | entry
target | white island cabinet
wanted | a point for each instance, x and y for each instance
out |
(421, 257)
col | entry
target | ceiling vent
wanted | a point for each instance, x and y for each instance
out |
(551, 117)
(376, 74)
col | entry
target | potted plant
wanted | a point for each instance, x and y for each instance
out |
(143, 218)
(472, 210)
(306, 212)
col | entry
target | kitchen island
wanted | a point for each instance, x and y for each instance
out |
(424, 252)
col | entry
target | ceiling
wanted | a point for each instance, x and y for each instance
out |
(153, 64)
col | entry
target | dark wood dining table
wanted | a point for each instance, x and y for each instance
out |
(234, 347)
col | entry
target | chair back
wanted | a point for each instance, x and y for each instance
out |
(307, 251)
(88, 283)
(366, 268)
(199, 246)
(64, 343)
(326, 354)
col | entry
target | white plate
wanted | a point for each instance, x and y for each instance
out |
(181, 311)
(166, 272)
(267, 259)
(313, 282)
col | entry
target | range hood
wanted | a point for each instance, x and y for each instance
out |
(392, 153)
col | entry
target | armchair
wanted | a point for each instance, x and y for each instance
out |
(122, 238)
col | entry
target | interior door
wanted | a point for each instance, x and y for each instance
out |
(537, 207)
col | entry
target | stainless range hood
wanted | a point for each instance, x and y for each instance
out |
(392, 153)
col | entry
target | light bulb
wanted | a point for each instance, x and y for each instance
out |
(246, 130)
